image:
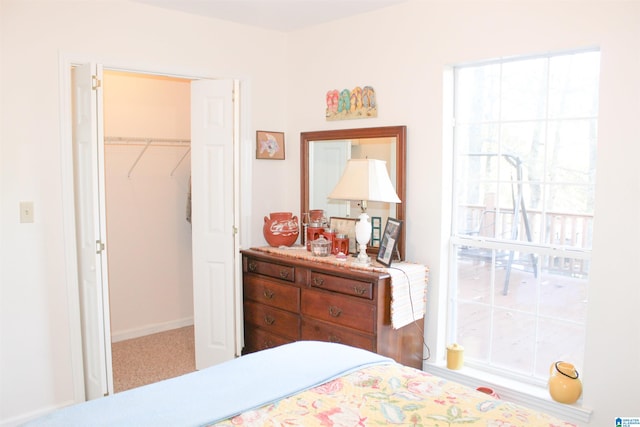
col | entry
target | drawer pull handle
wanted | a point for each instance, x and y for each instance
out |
(334, 311)
(267, 344)
(269, 320)
(359, 290)
(268, 293)
(252, 266)
(334, 338)
(318, 281)
(284, 274)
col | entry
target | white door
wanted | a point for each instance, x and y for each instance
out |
(88, 152)
(325, 172)
(214, 239)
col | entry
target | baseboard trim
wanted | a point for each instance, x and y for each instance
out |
(150, 329)
(34, 415)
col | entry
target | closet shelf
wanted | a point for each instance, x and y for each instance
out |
(146, 142)
(122, 140)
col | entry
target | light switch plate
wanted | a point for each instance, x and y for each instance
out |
(26, 212)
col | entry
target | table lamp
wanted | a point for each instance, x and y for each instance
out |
(365, 180)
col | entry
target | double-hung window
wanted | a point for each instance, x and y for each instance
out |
(523, 196)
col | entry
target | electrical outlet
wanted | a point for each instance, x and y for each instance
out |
(26, 212)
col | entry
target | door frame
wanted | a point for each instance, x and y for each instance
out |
(242, 183)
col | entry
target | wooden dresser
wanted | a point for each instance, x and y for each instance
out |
(288, 299)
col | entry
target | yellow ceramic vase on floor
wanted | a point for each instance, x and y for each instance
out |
(564, 384)
(455, 356)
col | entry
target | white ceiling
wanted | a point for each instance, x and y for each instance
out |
(281, 15)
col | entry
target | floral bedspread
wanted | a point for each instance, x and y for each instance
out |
(391, 394)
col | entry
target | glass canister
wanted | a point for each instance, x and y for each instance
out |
(330, 235)
(314, 230)
(305, 224)
(321, 247)
(341, 244)
(317, 215)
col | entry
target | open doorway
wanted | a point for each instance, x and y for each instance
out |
(147, 193)
(215, 215)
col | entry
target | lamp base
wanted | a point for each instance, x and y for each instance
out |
(363, 235)
(363, 258)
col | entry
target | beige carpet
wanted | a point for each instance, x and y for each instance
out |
(153, 358)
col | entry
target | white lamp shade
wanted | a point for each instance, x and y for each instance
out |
(365, 179)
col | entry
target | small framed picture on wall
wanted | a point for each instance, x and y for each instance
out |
(269, 145)
(389, 242)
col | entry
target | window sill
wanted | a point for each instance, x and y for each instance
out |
(514, 391)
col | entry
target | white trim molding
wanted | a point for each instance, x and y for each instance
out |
(514, 391)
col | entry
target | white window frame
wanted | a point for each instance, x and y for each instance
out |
(513, 388)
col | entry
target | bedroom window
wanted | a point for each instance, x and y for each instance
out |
(523, 196)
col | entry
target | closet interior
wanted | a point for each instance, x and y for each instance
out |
(147, 182)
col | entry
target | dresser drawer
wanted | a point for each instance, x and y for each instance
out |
(272, 319)
(339, 309)
(290, 296)
(269, 292)
(342, 284)
(279, 271)
(256, 339)
(321, 331)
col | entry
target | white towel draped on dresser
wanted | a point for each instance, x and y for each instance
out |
(408, 293)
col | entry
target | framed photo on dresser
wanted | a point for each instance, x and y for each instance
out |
(389, 242)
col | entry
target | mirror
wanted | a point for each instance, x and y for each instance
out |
(323, 156)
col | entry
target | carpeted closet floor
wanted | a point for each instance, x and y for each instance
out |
(153, 358)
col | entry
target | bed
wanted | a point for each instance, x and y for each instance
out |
(306, 383)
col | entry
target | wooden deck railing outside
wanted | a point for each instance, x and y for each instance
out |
(559, 229)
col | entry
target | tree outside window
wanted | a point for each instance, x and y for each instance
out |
(524, 175)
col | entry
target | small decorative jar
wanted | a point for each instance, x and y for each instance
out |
(330, 235)
(321, 247)
(455, 356)
(341, 244)
(280, 229)
(564, 384)
(488, 390)
(314, 230)
(317, 216)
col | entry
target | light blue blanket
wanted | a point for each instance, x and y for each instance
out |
(221, 391)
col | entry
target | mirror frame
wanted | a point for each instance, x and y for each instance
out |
(398, 132)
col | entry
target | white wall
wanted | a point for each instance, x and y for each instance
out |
(148, 236)
(402, 52)
(36, 355)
